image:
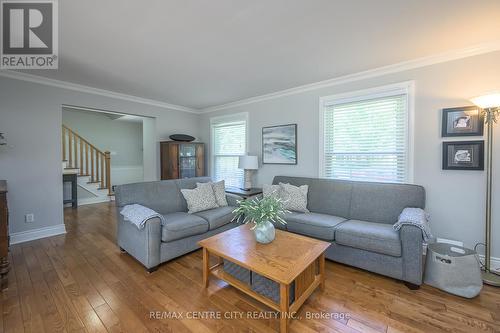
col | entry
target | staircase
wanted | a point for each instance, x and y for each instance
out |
(92, 166)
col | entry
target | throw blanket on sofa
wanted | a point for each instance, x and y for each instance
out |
(417, 217)
(138, 214)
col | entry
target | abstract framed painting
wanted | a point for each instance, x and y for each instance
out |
(279, 144)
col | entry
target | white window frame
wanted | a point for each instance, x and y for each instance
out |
(243, 116)
(407, 88)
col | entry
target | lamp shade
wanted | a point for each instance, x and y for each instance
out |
(248, 162)
(487, 101)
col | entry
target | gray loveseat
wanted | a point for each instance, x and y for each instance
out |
(357, 218)
(155, 243)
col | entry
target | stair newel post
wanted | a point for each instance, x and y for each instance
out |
(70, 149)
(63, 143)
(102, 170)
(81, 157)
(75, 148)
(108, 171)
(107, 156)
(92, 172)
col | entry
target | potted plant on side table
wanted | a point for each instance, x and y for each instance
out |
(262, 213)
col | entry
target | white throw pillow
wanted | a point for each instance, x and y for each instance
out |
(294, 197)
(219, 189)
(199, 199)
(271, 191)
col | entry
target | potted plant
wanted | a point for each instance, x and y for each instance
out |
(262, 213)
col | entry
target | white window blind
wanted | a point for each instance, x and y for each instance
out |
(228, 143)
(366, 139)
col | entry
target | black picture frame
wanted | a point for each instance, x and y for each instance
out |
(463, 155)
(266, 144)
(462, 121)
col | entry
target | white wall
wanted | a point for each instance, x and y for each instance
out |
(455, 199)
(30, 116)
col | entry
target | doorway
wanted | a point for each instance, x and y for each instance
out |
(102, 149)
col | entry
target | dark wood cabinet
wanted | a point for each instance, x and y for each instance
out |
(182, 159)
(4, 235)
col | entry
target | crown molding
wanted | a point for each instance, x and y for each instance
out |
(368, 74)
(96, 91)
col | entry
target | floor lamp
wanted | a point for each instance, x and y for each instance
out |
(491, 108)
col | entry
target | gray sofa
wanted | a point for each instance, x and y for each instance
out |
(155, 244)
(357, 218)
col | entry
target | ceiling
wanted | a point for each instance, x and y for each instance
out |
(111, 115)
(199, 53)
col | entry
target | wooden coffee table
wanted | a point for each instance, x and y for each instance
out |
(288, 258)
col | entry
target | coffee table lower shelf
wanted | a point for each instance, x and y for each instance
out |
(242, 286)
(306, 283)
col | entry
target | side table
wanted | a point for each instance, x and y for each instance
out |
(71, 178)
(244, 194)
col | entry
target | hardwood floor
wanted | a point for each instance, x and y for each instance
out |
(80, 282)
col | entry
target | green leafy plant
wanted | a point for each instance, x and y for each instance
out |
(258, 211)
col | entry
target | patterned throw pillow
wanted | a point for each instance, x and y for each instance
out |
(271, 191)
(219, 189)
(294, 197)
(199, 199)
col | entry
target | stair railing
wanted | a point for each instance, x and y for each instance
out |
(81, 154)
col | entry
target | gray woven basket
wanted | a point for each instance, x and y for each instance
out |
(238, 272)
(453, 269)
(269, 288)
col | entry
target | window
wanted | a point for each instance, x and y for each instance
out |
(228, 143)
(366, 135)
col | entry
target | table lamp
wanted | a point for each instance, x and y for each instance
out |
(248, 163)
(491, 107)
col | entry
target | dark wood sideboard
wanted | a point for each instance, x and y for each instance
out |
(4, 235)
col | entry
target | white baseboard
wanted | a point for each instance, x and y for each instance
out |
(26, 236)
(90, 201)
(450, 241)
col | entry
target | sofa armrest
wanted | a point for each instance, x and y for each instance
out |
(232, 199)
(412, 252)
(143, 244)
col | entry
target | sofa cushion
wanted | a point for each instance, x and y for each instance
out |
(189, 183)
(200, 199)
(163, 197)
(321, 226)
(285, 217)
(294, 197)
(181, 225)
(370, 236)
(383, 202)
(217, 217)
(271, 191)
(325, 196)
(219, 189)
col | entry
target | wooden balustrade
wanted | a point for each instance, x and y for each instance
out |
(91, 162)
